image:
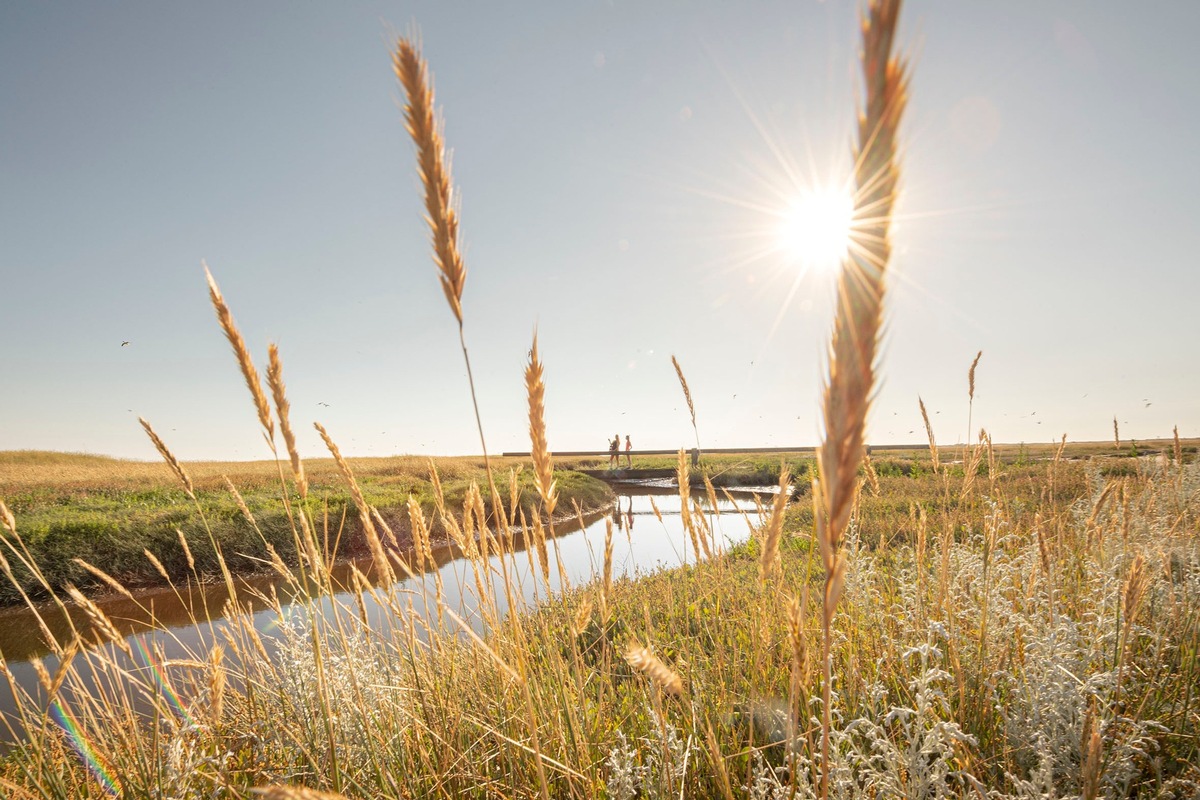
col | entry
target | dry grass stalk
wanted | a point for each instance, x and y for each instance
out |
(1178, 450)
(426, 131)
(1090, 744)
(687, 395)
(768, 561)
(583, 617)
(543, 470)
(872, 476)
(918, 513)
(1116, 433)
(364, 513)
(241, 502)
(100, 621)
(971, 377)
(662, 676)
(216, 684)
(539, 541)
(10, 522)
(933, 448)
(971, 392)
(1135, 590)
(420, 534)
(112, 582)
(718, 761)
(282, 408)
(683, 479)
(245, 362)
(280, 792)
(157, 565)
(169, 457)
(860, 293)
(187, 551)
(797, 608)
(606, 584)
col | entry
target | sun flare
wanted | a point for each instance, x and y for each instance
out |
(814, 229)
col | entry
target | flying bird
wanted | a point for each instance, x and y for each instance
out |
(123, 344)
(323, 404)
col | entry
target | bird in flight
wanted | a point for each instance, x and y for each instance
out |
(123, 344)
(323, 404)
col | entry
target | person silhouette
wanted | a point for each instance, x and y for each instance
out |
(614, 454)
(628, 454)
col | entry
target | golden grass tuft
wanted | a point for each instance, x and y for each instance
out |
(860, 291)
(650, 665)
(169, 457)
(543, 470)
(282, 409)
(687, 395)
(933, 448)
(426, 131)
(768, 562)
(364, 511)
(245, 362)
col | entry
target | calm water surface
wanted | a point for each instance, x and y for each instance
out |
(189, 621)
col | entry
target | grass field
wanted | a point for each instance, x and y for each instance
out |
(1001, 623)
(108, 511)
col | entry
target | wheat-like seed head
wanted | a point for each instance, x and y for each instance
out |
(169, 457)
(100, 620)
(543, 470)
(10, 522)
(157, 565)
(583, 617)
(112, 582)
(971, 376)
(364, 513)
(933, 448)
(282, 407)
(1135, 589)
(1116, 433)
(249, 373)
(606, 584)
(768, 561)
(216, 684)
(687, 393)
(797, 607)
(241, 503)
(187, 551)
(1178, 450)
(853, 345)
(872, 476)
(426, 132)
(645, 662)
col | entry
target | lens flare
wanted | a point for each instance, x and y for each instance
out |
(79, 742)
(815, 228)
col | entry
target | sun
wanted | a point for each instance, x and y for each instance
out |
(814, 229)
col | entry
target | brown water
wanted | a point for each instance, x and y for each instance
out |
(184, 623)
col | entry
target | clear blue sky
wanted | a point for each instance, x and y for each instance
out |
(618, 164)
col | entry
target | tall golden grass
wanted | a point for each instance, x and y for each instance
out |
(1033, 634)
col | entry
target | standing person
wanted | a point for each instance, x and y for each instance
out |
(614, 455)
(628, 455)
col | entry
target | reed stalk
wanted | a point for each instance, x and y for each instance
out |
(860, 291)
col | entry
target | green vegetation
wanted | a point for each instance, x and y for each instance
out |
(108, 512)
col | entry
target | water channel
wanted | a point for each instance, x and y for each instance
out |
(648, 534)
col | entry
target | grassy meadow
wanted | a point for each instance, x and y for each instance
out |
(971, 621)
(109, 511)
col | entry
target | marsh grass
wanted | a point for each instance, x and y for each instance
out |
(994, 637)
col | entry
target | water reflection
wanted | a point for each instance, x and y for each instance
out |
(165, 624)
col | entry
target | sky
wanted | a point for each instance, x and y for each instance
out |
(623, 168)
